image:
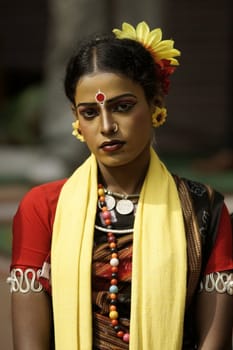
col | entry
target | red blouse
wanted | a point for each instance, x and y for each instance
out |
(33, 222)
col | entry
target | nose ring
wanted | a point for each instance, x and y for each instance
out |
(115, 127)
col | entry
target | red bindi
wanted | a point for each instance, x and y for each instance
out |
(100, 97)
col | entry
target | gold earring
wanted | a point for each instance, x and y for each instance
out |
(76, 131)
(159, 116)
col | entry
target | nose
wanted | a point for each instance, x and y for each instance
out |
(108, 125)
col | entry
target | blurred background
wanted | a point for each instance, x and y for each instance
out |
(36, 145)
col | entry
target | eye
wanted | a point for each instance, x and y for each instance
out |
(123, 106)
(88, 113)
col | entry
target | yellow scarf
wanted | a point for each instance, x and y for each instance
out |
(159, 262)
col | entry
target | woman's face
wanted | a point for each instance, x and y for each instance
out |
(118, 131)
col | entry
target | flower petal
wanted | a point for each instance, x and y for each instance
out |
(142, 31)
(155, 36)
(127, 32)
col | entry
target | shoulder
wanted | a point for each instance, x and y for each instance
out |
(48, 192)
(40, 202)
(209, 213)
(206, 203)
(203, 197)
(51, 188)
(32, 224)
(196, 189)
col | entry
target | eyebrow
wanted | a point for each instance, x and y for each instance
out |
(128, 94)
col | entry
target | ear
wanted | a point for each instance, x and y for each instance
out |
(74, 111)
(158, 101)
(152, 108)
(153, 105)
(79, 130)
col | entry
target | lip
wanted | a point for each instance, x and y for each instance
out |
(111, 146)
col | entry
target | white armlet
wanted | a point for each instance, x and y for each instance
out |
(221, 282)
(20, 281)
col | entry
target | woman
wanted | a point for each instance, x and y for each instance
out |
(140, 259)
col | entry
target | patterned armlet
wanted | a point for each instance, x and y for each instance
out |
(24, 281)
(221, 282)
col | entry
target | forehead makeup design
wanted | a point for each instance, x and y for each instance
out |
(100, 97)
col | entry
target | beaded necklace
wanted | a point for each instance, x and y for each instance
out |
(114, 263)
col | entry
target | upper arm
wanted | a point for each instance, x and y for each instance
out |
(221, 257)
(31, 230)
(31, 321)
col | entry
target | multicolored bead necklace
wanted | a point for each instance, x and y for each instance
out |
(114, 263)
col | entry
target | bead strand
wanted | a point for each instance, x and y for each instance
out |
(114, 262)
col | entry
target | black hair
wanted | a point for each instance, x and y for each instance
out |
(109, 54)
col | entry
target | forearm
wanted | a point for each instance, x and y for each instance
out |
(214, 320)
(31, 321)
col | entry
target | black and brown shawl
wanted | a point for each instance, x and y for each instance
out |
(201, 207)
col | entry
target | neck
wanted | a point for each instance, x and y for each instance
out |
(125, 179)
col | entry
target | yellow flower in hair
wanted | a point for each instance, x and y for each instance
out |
(152, 40)
(159, 116)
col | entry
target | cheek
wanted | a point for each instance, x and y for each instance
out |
(87, 128)
(142, 122)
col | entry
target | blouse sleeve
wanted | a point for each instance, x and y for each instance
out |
(221, 258)
(32, 226)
